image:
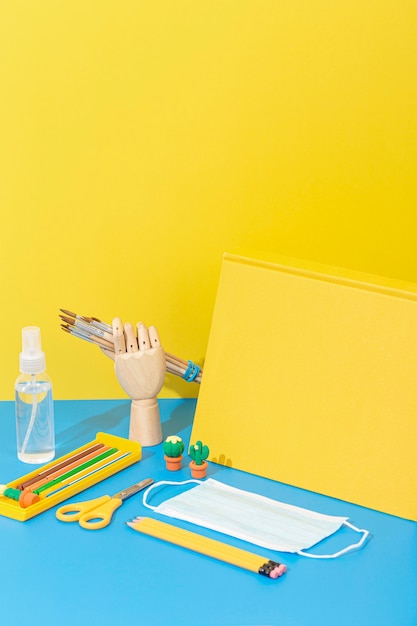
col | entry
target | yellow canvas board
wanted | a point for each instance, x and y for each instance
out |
(310, 379)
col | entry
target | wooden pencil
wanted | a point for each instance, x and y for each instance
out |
(84, 473)
(75, 470)
(60, 465)
(208, 547)
(43, 480)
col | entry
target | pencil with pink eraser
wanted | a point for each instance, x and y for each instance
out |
(208, 547)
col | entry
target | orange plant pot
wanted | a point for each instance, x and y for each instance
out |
(198, 471)
(173, 463)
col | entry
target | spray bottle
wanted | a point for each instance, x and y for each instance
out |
(34, 403)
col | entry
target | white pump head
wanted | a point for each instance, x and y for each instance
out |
(32, 359)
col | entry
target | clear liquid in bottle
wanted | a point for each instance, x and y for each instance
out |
(34, 404)
(34, 420)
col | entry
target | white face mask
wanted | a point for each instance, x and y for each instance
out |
(252, 517)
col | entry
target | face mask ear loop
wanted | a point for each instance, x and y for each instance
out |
(159, 484)
(354, 546)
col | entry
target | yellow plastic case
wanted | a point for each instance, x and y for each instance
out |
(131, 449)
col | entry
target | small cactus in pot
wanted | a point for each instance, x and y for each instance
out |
(173, 448)
(199, 453)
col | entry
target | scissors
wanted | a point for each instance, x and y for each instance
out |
(100, 509)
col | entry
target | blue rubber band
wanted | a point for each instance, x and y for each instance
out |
(191, 372)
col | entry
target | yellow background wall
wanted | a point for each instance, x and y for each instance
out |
(139, 140)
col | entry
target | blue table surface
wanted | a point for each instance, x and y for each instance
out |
(61, 574)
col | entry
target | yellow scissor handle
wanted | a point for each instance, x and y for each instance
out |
(73, 512)
(102, 513)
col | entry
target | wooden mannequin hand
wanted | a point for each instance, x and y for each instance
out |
(139, 363)
(140, 367)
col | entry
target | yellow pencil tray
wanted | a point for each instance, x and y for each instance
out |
(131, 452)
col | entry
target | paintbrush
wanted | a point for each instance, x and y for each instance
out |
(105, 336)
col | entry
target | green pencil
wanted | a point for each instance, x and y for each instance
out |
(59, 479)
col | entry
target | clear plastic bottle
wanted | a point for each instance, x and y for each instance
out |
(34, 404)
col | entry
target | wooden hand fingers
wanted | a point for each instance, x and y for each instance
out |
(126, 340)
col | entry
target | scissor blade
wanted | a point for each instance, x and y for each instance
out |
(130, 491)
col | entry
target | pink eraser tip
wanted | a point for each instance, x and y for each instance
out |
(278, 571)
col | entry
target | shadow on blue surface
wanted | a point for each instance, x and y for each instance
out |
(180, 417)
(176, 417)
(86, 428)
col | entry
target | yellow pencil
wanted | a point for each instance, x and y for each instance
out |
(208, 547)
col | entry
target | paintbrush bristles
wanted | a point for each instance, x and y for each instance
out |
(66, 312)
(108, 337)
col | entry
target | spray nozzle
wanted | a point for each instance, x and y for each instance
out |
(32, 359)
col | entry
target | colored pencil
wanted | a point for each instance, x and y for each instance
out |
(208, 547)
(75, 470)
(66, 468)
(57, 466)
(89, 471)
